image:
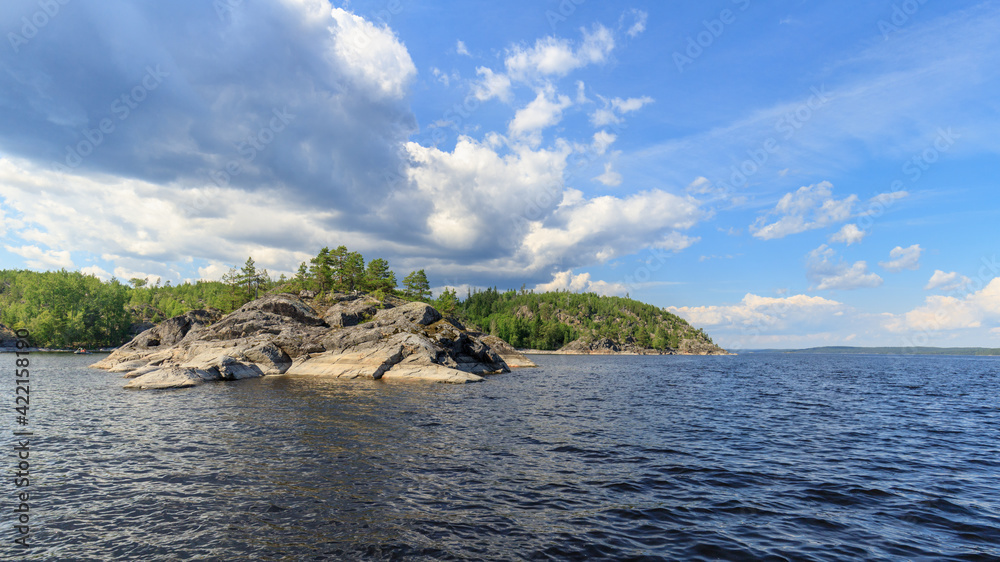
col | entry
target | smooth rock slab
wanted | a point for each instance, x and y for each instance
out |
(171, 377)
(429, 373)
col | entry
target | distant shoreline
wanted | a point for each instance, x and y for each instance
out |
(846, 350)
(651, 354)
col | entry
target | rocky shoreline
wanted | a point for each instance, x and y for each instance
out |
(345, 336)
(606, 346)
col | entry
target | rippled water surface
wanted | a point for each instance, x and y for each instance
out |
(768, 456)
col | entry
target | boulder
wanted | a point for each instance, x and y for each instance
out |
(512, 357)
(351, 312)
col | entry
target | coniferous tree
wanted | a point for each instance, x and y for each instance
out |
(378, 277)
(416, 285)
(321, 270)
(353, 271)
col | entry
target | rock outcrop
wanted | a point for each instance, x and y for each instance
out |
(695, 347)
(606, 346)
(355, 337)
(511, 356)
(8, 339)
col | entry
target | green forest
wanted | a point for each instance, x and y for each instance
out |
(550, 320)
(67, 309)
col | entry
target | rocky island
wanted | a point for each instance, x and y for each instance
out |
(343, 336)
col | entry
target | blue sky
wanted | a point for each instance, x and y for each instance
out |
(782, 174)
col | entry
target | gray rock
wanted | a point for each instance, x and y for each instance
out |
(281, 334)
(512, 357)
(351, 312)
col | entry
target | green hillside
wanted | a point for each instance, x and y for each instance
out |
(550, 321)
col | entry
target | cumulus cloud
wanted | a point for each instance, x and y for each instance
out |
(491, 85)
(581, 283)
(461, 49)
(810, 207)
(96, 271)
(38, 258)
(238, 148)
(945, 313)
(544, 111)
(602, 228)
(610, 177)
(553, 56)
(828, 273)
(142, 224)
(849, 234)
(941, 281)
(613, 110)
(755, 312)
(903, 258)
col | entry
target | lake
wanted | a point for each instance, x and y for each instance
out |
(757, 456)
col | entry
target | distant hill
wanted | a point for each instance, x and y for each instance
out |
(582, 323)
(846, 350)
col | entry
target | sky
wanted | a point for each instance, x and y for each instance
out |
(784, 174)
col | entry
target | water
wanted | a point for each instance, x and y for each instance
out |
(798, 457)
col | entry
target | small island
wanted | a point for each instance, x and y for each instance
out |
(339, 316)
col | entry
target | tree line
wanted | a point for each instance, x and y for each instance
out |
(64, 309)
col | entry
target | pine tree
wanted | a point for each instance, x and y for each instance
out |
(320, 270)
(353, 271)
(447, 301)
(416, 285)
(378, 277)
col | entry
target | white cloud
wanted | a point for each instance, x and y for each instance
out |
(125, 275)
(849, 234)
(946, 313)
(610, 177)
(600, 229)
(581, 283)
(461, 49)
(544, 111)
(808, 208)
(38, 258)
(903, 258)
(675, 242)
(492, 85)
(122, 220)
(213, 271)
(376, 56)
(755, 312)
(639, 25)
(553, 56)
(942, 281)
(602, 140)
(615, 108)
(828, 274)
(96, 271)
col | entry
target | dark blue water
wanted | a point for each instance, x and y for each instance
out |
(797, 457)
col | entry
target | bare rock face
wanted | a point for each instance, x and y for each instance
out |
(511, 356)
(281, 334)
(694, 347)
(351, 312)
(8, 339)
(163, 336)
